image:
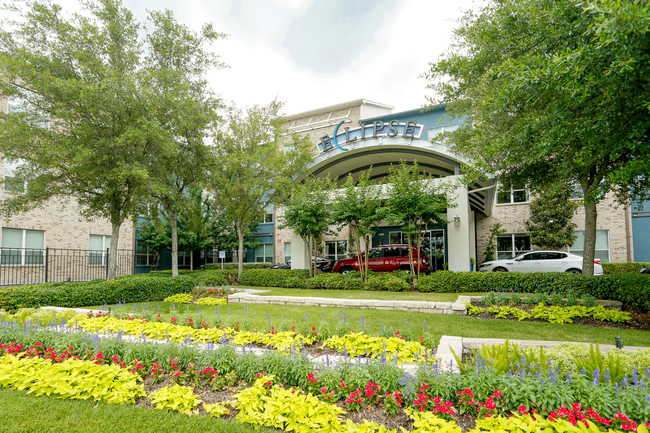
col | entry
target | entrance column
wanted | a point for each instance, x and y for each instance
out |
(459, 231)
(300, 255)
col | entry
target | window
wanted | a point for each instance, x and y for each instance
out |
(287, 252)
(336, 250)
(396, 238)
(268, 215)
(602, 245)
(13, 182)
(99, 245)
(509, 246)
(21, 104)
(264, 253)
(143, 255)
(184, 258)
(22, 247)
(434, 132)
(513, 194)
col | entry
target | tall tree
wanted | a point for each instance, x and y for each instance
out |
(175, 68)
(556, 91)
(360, 206)
(415, 202)
(550, 223)
(92, 74)
(254, 163)
(308, 213)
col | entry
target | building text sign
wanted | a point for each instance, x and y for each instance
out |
(345, 136)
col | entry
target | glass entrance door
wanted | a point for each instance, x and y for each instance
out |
(433, 245)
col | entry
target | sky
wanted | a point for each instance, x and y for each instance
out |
(315, 53)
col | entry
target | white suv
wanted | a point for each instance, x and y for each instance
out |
(541, 261)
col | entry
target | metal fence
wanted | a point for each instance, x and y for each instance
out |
(34, 266)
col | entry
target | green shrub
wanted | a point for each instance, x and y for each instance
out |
(335, 281)
(231, 266)
(136, 288)
(633, 290)
(386, 281)
(274, 277)
(623, 268)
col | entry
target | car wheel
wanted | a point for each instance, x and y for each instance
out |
(345, 271)
(499, 269)
(405, 270)
(574, 271)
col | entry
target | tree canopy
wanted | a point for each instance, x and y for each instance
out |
(116, 101)
(255, 161)
(555, 91)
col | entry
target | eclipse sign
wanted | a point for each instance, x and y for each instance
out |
(394, 128)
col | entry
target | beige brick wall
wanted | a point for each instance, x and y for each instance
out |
(611, 217)
(62, 221)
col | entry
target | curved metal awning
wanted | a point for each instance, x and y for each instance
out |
(383, 152)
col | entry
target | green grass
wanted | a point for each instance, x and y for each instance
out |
(411, 325)
(22, 412)
(364, 294)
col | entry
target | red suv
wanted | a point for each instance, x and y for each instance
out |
(385, 258)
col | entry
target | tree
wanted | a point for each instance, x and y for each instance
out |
(415, 202)
(556, 92)
(550, 223)
(252, 168)
(361, 208)
(155, 234)
(176, 67)
(308, 213)
(94, 78)
(491, 246)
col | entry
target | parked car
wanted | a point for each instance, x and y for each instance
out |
(646, 270)
(385, 258)
(322, 265)
(541, 261)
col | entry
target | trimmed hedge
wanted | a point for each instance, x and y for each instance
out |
(274, 277)
(138, 288)
(329, 281)
(623, 268)
(229, 265)
(633, 290)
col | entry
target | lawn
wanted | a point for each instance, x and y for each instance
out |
(410, 325)
(26, 413)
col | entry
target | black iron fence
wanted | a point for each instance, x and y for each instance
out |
(34, 266)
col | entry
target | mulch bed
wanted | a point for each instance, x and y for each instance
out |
(638, 321)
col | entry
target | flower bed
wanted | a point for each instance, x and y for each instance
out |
(269, 403)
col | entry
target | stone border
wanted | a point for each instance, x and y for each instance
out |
(612, 305)
(247, 297)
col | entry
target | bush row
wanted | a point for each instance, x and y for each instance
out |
(633, 290)
(623, 268)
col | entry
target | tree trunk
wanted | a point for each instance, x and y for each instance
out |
(357, 246)
(314, 257)
(112, 253)
(365, 257)
(589, 248)
(240, 258)
(409, 239)
(173, 223)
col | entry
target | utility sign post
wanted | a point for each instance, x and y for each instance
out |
(222, 255)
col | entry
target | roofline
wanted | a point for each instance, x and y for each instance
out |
(334, 107)
(413, 111)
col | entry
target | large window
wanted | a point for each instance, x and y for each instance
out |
(602, 244)
(264, 253)
(184, 258)
(143, 255)
(25, 104)
(511, 245)
(336, 250)
(268, 215)
(512, 194)
(287, 252)
(99, 245)
(22, 247)
(13, 182)
(433, 133)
